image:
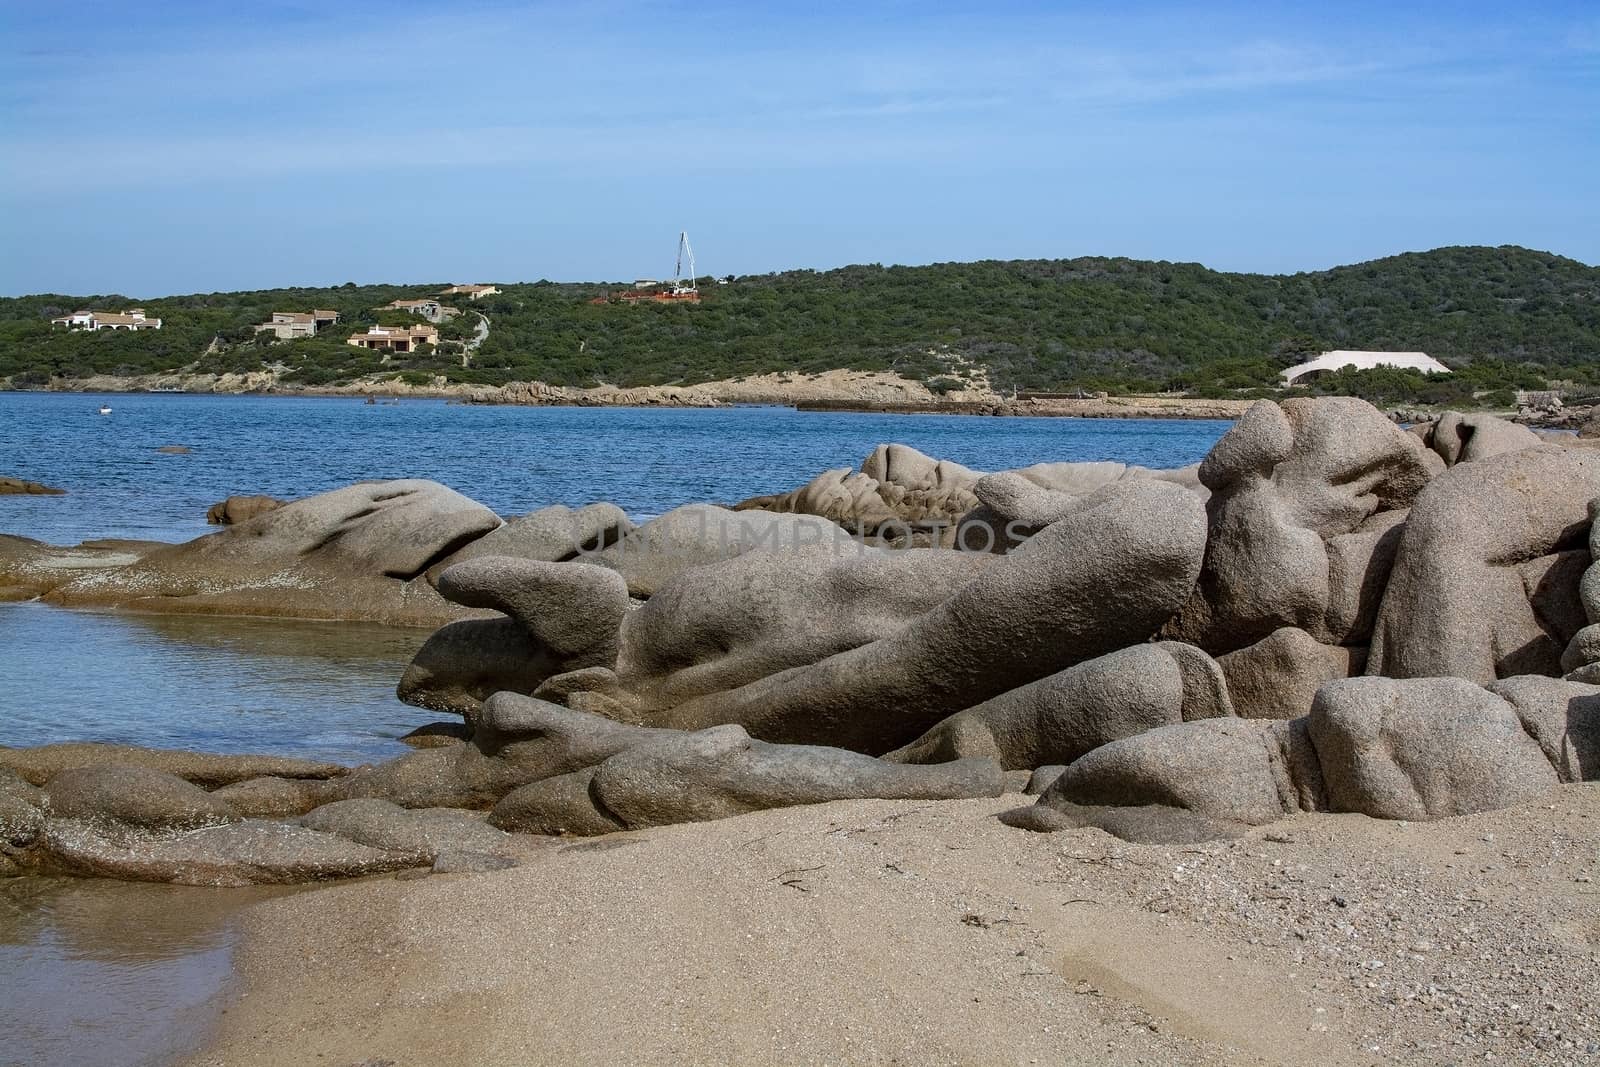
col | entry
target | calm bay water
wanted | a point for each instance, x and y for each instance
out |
(513, 459)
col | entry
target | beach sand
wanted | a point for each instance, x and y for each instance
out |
(910, 933)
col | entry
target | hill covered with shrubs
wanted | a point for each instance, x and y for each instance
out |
(1502, 317)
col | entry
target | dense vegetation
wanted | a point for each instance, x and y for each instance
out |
(1503, 317)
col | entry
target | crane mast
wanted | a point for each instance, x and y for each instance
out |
(684, 252)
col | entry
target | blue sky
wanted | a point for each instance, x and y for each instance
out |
(197, 147)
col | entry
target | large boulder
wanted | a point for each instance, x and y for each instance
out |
(30, 568)
(22, 813)
(720, 627)
(463, 663)
(237, 509)
(1424, 748)
(1014, 505)
(571, 610)
(41, 763)
(1225, 773)
(516, 740)
(698, 534)
(1104, 577)
(896, 488)
(721, 772)
(355, 553)
(249, 852)
(1563, 717)
(562, 617)
(1306, 500)
(421, 834)
(1486, 577)
(553, 534)
(1057, 719)
(1459, 438)
(133, 796)
(1278, 676)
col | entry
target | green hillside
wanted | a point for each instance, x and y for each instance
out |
(1505, 316)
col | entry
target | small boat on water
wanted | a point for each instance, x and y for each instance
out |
(105, 409)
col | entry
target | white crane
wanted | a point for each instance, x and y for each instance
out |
(678, 286)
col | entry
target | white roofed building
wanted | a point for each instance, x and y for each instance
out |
(1329, 362)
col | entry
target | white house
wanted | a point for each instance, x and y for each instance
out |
(1329, 362)
(472, 292)
(132, 319)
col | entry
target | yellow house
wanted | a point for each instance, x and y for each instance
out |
(396, 338)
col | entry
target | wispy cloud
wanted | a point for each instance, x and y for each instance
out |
(896, 105)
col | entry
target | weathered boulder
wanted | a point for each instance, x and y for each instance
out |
(562, 806)
(463, 663)
(897, 488)
(1107, 576)
(714, 629)
(1485, 581)
(355, 553)
(1063, 716)
(208, 770)
(1423, 748)
(134, 796)
(19, 487)
(516, 740)
(1563, 717)
(696, 534)
(1300, 522)
(1459, 438)
(1014, 505)
(1583, 649)
(1043, 777)
(722, 772)
(421, 834)
(249, 852)
(30, 568)
(237, 509)
(552, 535)
(1228, 772)
(437, 735)
(1589, 588)
(563, 617)
(22, 808)
(271, 797)
(1146, 824)
(571, 610)
(1278, 676)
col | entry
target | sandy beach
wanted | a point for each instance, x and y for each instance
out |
(879, 932)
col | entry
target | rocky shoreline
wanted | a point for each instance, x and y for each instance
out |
(1331, 630)
(864, 392)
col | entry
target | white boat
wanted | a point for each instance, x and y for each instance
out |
(105, 409)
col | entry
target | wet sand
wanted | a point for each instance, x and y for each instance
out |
(113, 974)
